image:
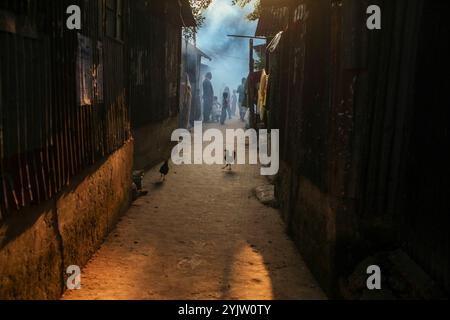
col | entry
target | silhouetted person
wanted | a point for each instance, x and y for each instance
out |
(208, 96)
(234, 101)
(216, 110)
(241, 92)
(225, 107)
(227, 90)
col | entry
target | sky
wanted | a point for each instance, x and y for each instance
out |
(230, 55)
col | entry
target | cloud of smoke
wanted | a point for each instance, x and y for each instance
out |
(230, 55)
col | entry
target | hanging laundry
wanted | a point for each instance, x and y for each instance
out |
(262, 94)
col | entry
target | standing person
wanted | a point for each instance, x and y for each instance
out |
(216, 112)
(208, 96)
(227, 90)
(225, 107)
(234, 103)
(241, 92)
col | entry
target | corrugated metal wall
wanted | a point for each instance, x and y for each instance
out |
(47, 137)
(154, 46)
(362, 116)
(398, 167)
(426, 190)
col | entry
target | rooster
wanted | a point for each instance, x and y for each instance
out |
(229, 159)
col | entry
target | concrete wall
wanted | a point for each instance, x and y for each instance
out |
(152, 143)
(37, 246)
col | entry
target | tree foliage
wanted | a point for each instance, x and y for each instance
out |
(199, 7)
(198, 10)
(255, 15)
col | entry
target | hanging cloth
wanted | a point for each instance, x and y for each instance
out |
(262, 93)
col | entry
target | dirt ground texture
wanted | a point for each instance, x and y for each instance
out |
(202, 234)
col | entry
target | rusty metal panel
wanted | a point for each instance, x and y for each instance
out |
(363, 119)
(308, 86)
(425, 159)
(272, 21)
(48, 135)
(154, 71)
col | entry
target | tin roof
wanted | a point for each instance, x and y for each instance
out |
(272, 21)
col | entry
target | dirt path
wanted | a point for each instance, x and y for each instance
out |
(200, 235)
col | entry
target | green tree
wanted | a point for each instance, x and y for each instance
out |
(199, 7)
(256, 14)
(198, 10)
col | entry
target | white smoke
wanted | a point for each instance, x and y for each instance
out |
(230, 55)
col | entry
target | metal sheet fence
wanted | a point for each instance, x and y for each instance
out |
(362, 117)
(154, 46)
(46, 135)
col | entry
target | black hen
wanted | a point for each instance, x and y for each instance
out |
(164, 170)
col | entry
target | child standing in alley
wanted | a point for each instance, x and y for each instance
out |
(216, 110)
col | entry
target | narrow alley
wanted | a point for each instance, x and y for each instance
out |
(201, 235)
(343, 193)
